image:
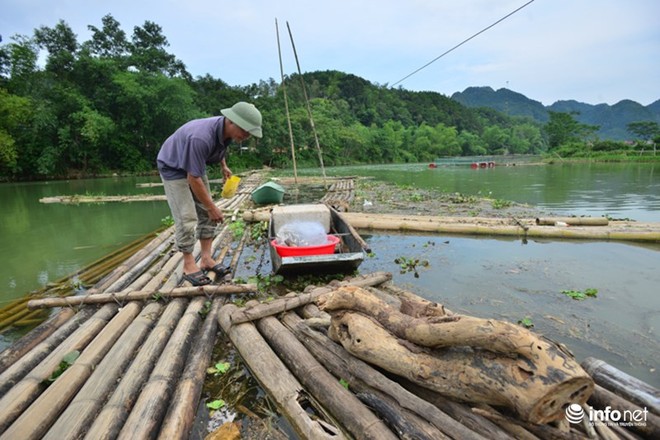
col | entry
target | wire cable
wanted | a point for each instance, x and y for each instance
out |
(462, 43)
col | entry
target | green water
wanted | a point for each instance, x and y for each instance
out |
(40, 243)
(489, 277)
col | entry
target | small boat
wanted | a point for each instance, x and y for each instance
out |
(348, 254)
(268, 193)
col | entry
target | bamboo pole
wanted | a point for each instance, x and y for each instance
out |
(286, 106)
(148, 412)
(17, 370)
(43, 412)
(32, 339)
(401, 420)
(308, 106)
(573, 221)
(80, 413)
(342, 404)
(276, 380)
(289, 303)
(181, 412)
(602, 398)
(77, 198)
(110, 420)
(626, 386)
(142, 295)
(21, 395)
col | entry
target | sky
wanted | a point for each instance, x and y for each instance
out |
(592, 51)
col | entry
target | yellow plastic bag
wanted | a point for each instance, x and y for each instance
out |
(230, 187)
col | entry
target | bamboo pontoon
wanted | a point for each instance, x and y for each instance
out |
(511, 227)
(145, 342)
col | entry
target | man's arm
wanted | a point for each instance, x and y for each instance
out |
(226, 172)
(199, 189)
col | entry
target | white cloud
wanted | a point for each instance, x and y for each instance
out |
(589, 50)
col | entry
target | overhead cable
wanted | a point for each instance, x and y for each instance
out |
(462, 43)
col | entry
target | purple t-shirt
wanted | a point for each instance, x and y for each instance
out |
(191, 147)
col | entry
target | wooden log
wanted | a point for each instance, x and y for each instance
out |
(626, 386)
(289, 303)
(519, 428)
(280, 384)
(21, 395)
(602, 398)
(110, 420)
(42, 413)
(326, 389)
(142, 295)
(573, 221)
(459, 411)
(536, 392)
(364, 378)
(181, 413)
(427, 324)
(407, 424)
(88, 402)
(19, 348)
(150, 408)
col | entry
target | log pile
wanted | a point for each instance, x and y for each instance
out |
(422, 370)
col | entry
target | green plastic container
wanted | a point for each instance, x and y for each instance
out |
(268, 193)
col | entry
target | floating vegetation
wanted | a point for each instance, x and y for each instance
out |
(580, 295)
(526, 322)
(501, 204)
(410, 265)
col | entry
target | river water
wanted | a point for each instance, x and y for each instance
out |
(501, 278)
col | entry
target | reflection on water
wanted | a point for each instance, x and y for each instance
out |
(41, 243)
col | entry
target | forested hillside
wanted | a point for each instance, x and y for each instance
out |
(106, 105)
(612, 120)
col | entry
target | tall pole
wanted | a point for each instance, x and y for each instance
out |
(309, 108)
(286, 106)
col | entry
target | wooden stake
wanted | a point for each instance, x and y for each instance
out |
(286, 106)
(309, 108)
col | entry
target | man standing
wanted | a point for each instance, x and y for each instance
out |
(182, 161)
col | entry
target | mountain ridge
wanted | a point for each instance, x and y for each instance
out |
(612, 119)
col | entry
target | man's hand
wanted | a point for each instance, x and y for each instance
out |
(199, 189)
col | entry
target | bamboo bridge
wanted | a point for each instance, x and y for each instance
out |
(145, 341)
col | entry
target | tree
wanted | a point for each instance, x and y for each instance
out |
(62, 46)
(148, 52)
(647, 131)
(562, 128)
(109, 41)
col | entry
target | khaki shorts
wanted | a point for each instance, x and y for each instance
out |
(191, 219)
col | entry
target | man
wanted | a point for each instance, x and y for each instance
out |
(182, 161)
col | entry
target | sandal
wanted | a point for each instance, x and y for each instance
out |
(197, 278)
(219, 270)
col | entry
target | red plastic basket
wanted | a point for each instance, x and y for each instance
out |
(299, 251)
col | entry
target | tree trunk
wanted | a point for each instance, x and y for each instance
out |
(466, 358)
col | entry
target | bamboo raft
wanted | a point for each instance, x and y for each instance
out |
(145, 342)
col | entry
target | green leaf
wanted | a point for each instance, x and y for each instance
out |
(526, 322)
(343, 383)
(216, 404)
(222, 367)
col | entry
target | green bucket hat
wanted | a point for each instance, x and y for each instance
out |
(246, 116)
